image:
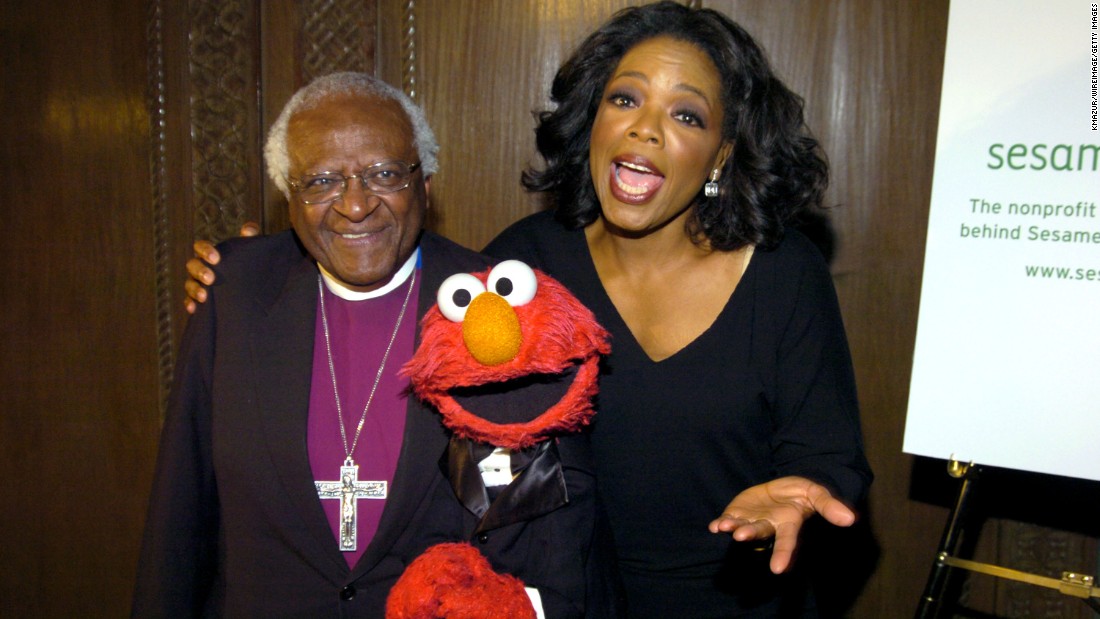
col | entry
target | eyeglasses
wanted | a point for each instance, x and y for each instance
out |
(380, 178)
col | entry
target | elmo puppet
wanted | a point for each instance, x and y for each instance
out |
(509, 358)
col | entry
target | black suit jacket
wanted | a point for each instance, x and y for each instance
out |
(235, 527)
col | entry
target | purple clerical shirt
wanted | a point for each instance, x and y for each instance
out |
(359, 332)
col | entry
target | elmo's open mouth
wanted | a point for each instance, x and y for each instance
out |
(517, 400)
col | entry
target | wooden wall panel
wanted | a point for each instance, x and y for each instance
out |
(223, 82)
(78, 372)
(141, 120)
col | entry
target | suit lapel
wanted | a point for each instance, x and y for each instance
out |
(414, 482)
(282, 346)
(423, 443)
(539, 489)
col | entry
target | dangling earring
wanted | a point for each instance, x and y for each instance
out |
(710, 189)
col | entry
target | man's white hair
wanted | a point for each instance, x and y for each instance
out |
(338, 84)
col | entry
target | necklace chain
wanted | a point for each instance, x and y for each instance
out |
(377, 378)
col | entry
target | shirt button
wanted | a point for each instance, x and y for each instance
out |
(347, 593)
(483, 538)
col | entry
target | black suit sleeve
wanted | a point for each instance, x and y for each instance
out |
(177, 568)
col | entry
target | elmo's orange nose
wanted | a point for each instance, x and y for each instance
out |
(491, 330)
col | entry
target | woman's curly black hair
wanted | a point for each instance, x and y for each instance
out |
(777, 170)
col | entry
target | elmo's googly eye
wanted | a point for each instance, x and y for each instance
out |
(455, 295)
(513, 280)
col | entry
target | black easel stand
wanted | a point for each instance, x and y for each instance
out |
(937, 580)
(1071, 583)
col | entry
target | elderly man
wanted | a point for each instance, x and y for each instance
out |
(287, 391)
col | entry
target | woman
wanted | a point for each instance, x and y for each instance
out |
(730, 376)
(676, 162)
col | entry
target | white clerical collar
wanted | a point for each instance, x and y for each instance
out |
(341, 290)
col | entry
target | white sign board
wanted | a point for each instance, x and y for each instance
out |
(1006, 370)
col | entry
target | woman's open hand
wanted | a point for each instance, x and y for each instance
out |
(777, 509)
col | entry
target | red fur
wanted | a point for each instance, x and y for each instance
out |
(558, 333)
(455, 581)
(570, 414)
